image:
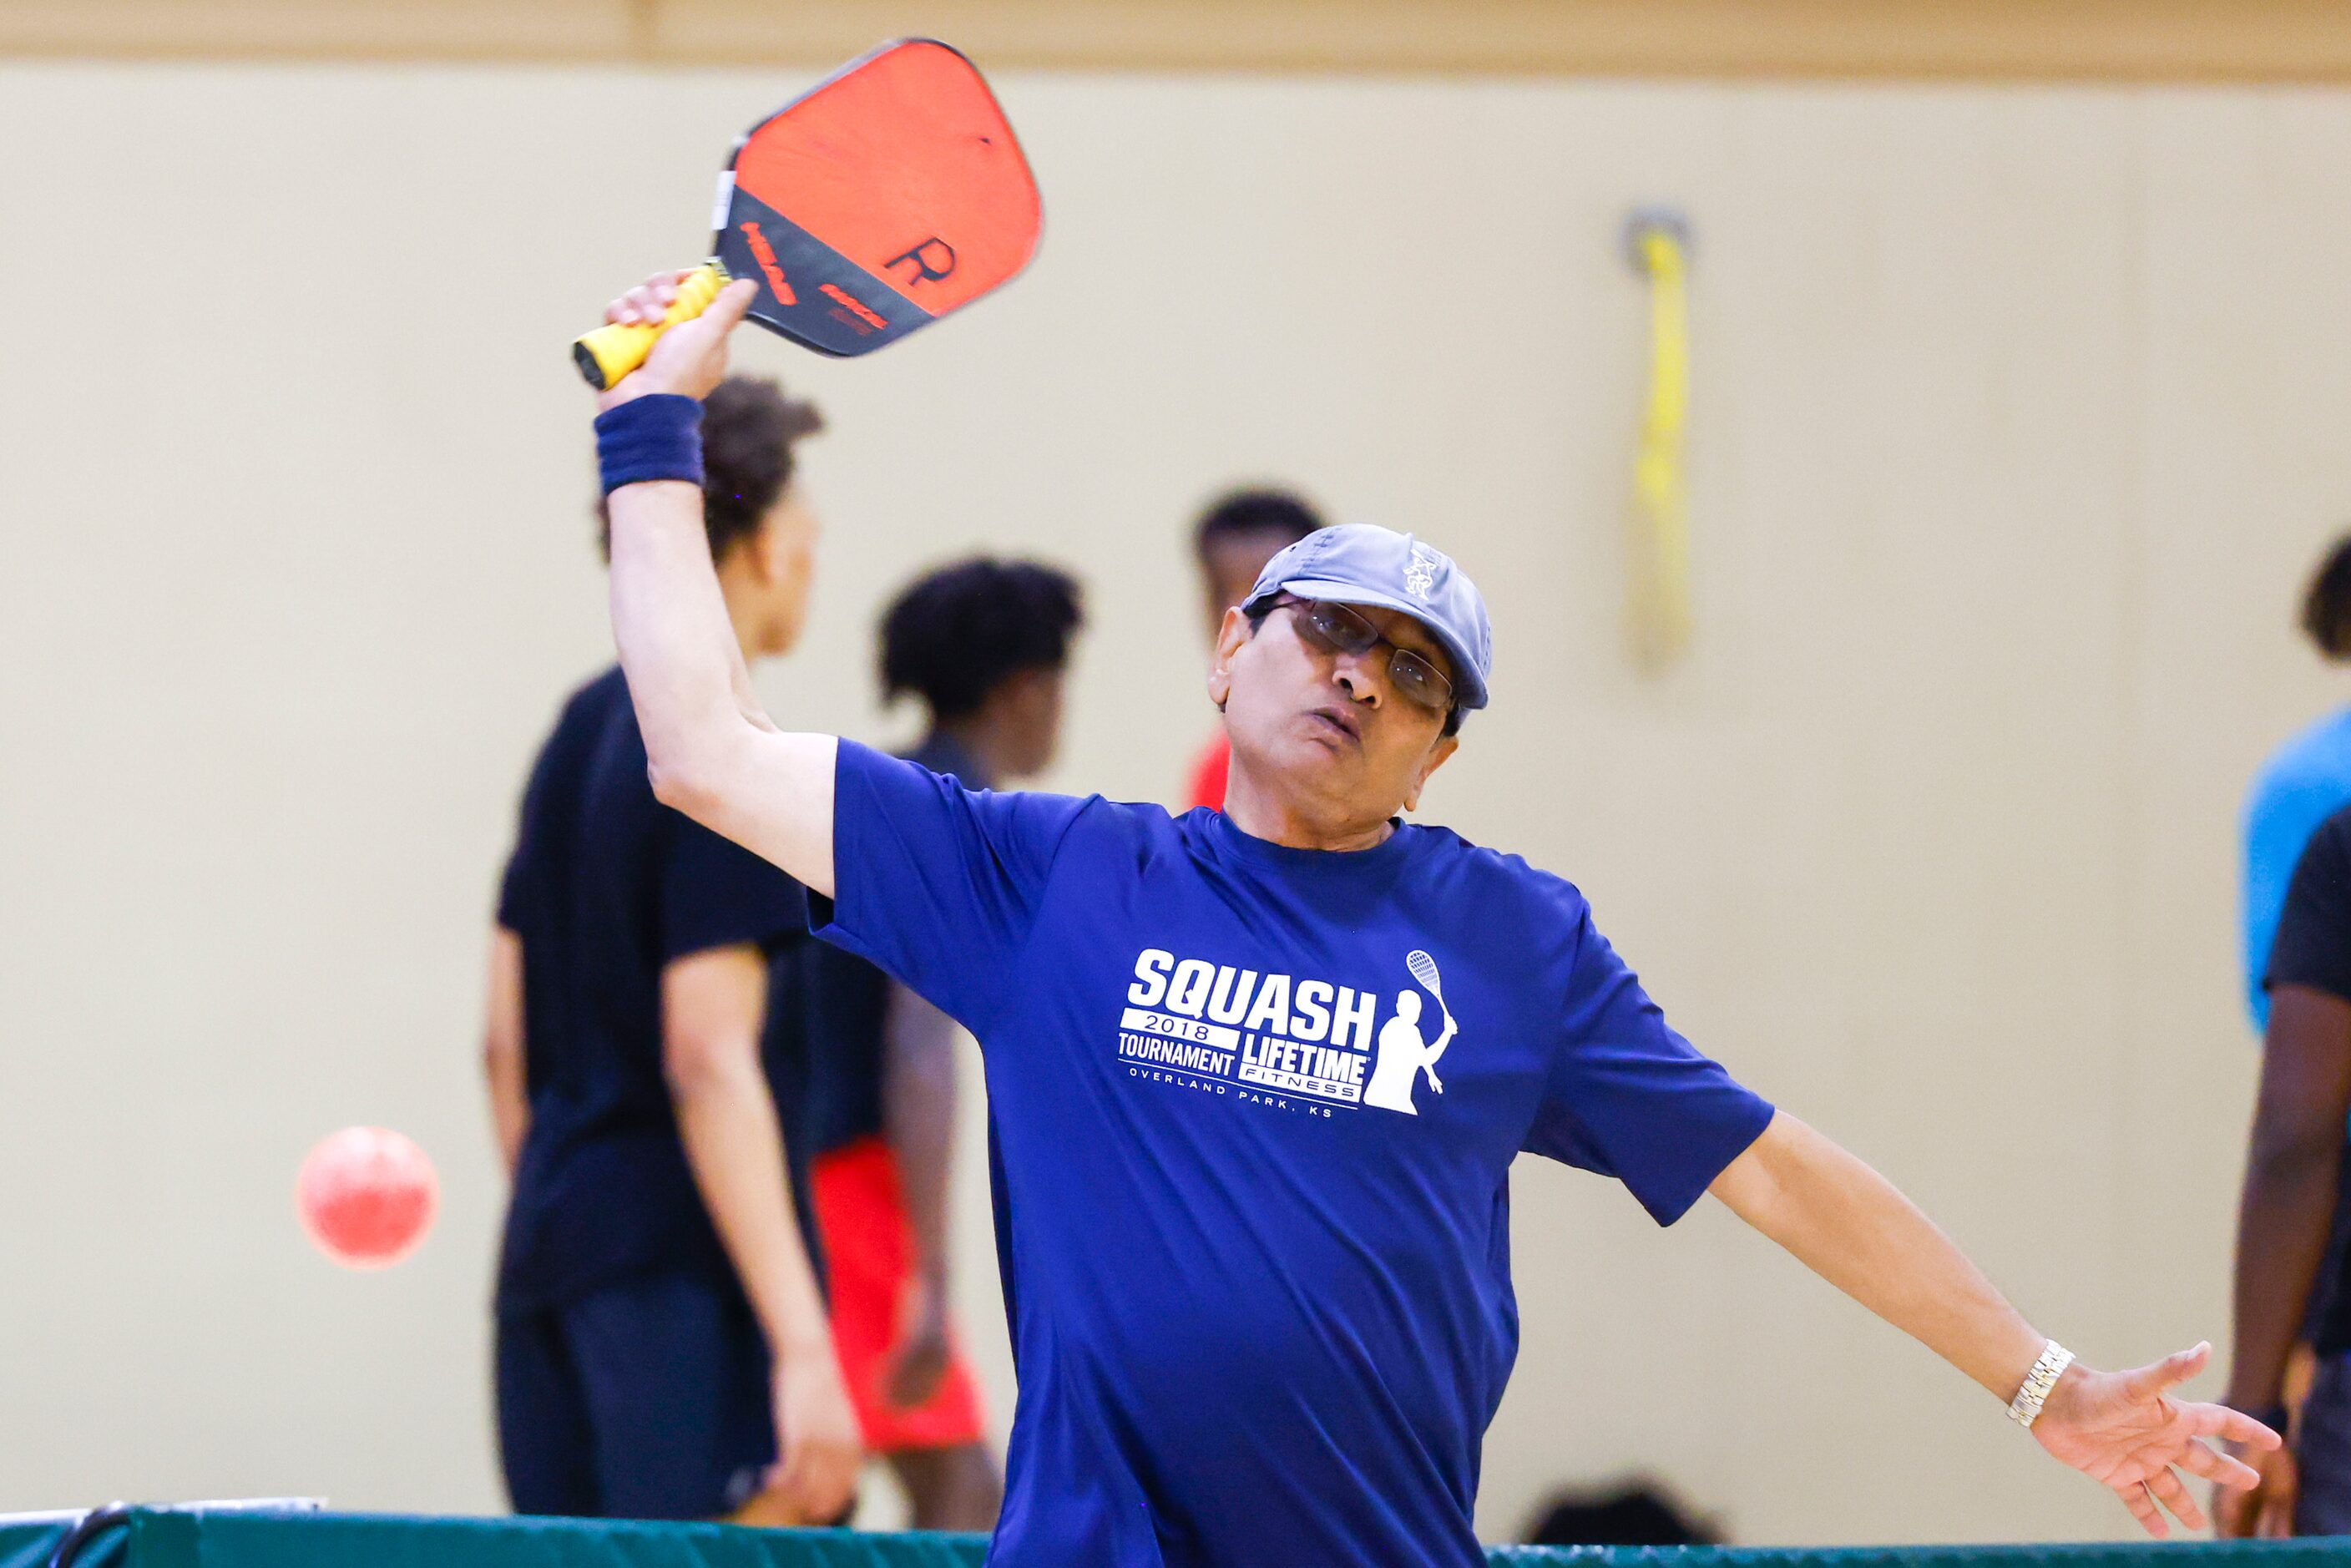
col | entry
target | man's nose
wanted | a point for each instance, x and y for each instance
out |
(1355, 672)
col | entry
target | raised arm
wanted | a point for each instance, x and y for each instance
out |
(1849, 1224)
(713, 754)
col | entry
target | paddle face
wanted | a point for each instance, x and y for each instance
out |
(889, 195)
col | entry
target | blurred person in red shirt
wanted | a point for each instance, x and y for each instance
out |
(1234, 538)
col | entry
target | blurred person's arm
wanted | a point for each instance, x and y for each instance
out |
(2284, 1216)
(918, 1108)
(502, 1061)
(1850, 1226)
(713, 1004)
(2295, 1157)
(713, 753)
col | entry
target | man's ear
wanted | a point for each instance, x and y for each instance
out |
(1024, 692)
(1230, 636)
(1446, 747)
(769, 548)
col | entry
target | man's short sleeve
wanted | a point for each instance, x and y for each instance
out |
(512, 897)
(716, 894)
(2314, 933)
(935, 883)
(521, 892)
(1630, 1098)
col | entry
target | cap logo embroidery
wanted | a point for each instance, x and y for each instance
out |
(1420, 572)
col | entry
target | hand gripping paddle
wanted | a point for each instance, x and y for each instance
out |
(890, 194)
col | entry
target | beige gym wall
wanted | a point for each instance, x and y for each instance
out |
(2017, 420)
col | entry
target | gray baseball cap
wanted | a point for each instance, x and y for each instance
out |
(1362, 563)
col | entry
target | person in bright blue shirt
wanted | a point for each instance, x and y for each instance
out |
(1259, 1286)
(2302, 783)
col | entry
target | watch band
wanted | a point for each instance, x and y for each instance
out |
(2026, 1408)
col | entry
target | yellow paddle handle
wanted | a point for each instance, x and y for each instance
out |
(610, 353)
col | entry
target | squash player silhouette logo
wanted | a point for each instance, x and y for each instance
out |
(1405, 1053)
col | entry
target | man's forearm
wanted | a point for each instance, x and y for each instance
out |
(677, 645)
(2281, 1230)
(1854, 1228)
(2129, 1430)
(2291, 1171)
(736, 1149)
(713, 754)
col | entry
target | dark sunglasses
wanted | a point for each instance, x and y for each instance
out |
(1338, 629)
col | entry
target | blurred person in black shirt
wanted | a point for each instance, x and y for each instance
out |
(2292, 1196)
(660, 1337)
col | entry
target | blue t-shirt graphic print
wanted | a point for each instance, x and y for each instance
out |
(1254, 1113)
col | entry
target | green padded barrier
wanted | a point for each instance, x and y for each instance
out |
(169, 1539)
(29, 1545)
(2100, 1554)
(363, 1540)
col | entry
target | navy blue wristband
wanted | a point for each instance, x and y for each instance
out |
(657, 437)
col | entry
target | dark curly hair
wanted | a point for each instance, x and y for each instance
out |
(2326, 602)
(1280, 513)
(954, 636)
(749, 430)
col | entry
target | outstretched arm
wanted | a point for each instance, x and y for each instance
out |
(1849, 1224)
(713, 753)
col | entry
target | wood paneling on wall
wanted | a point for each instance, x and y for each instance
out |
(2116, 40)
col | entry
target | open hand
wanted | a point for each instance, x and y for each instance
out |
(691, 356)
(2125, 1430)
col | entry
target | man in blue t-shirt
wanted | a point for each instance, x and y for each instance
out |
(660, 1339)
(1261, 1313)
(2300, 784)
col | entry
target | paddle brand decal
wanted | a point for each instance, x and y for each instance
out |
(764, 254)
(1277, 1037)
(927, 269)
(847, 302)
(810, 292)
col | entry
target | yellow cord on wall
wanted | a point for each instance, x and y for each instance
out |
(1660, 610)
